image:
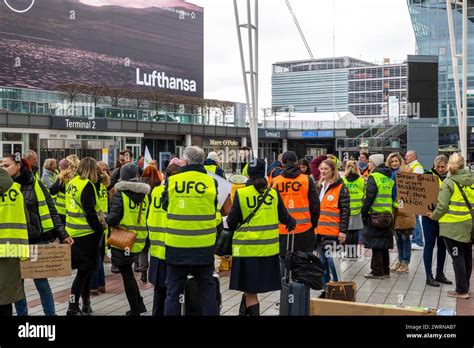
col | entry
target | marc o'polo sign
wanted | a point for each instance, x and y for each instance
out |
(417, 193)
(77, 123)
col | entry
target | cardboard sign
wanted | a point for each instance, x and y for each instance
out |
(47, 261)
(417, 193)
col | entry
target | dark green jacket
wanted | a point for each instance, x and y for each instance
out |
(458, 231)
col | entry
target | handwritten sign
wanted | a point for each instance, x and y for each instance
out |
(47, 261)
(417, 193)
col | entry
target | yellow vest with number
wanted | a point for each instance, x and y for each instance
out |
(13, 227)
(457, 208)
(43, 209)
(259, 237)
(356, 193)
(76, 222)
(157, 224)
(135, 222)
(191, 218)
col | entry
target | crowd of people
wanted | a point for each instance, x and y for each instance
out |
(176, 216)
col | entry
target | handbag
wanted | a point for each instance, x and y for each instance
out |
(341, 291)
(224, 238)
(469, 206)
(381, 220)
(122, 238)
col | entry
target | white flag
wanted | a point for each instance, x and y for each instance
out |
(224, 188)
(148, 158)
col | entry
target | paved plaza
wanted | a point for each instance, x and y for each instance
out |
(410, 287)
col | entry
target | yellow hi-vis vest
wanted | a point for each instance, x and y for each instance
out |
(437, 176)
(191, 218)
(416, 165)
(103, 201)
(259, 237)
(135, 222)
(211, 168)
(43, 209)
(13, 227)
(157, 224)
(457, 208)
(76, 222)
(356, 192)
(383, 202)
(60, 202)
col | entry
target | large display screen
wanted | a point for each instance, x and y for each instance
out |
(156, 45)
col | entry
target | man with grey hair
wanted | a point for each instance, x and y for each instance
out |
(32, 157)
(190, 199)
(416, 167)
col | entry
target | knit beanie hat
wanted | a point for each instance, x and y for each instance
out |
(377, 159)
(129, 172)
(289, 156)
(256, 168)
(5, 181)
(63, 164)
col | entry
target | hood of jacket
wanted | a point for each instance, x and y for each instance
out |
(463, 177)
(25, 177)
(383, 169)
(136, 191)
(291, 171)
(352, 177)
(5, 181)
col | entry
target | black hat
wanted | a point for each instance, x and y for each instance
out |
(289, 156)
(129, 172)
(256, 168)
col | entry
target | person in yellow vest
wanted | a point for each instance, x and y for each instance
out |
(355, 184)
(13, 242)
(211, 164)
(431, 233)
(44, 224)
(129, 208)
(84, 224)
(67, 171)
(455, 223)
(157, 233)
(416, 167)
(299, 196)
(98, 278)
(255, 246)
(190, 200)
(378, 199)
(334, 216)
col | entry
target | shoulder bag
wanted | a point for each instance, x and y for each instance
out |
(469, 206)
(224, 238)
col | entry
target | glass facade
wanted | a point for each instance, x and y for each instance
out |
(313, 86)
(430, 23)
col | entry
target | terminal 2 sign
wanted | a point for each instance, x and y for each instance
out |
(77, 123)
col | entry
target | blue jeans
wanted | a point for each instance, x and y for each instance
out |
(431, 230)
(46, 296)
(329, 266)
(404, 247)
(98, 278)
(418, 233)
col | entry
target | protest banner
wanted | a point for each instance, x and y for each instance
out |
(47, 261)
(417, 193)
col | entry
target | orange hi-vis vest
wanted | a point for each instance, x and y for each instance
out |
(330, 216)
(294, 193)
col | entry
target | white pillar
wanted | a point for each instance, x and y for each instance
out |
(188, 140)
(243, 141)
(285, 145)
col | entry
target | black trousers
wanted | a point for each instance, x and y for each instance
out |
(81, 287)
(132, 291)
(159, 297)
(461, 253)
(380, 262)
(176, 280)
(6, 310)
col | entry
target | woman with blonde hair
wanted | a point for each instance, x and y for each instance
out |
(455, 200)
(49, 172)
(68, 168)
(355, 184)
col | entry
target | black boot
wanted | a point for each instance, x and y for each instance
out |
(144, 277)
(441, 278)
(254, 311)
(142, 309)
(431, 282)
(74, 310)
(243, 307)
(86, 306)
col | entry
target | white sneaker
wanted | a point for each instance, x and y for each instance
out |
(415, 246)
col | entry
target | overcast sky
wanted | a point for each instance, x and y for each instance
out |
(365, 29)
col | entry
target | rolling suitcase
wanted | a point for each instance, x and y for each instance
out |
(294, 296)
(191, 305)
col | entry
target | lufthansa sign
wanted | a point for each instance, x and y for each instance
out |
(76, 123)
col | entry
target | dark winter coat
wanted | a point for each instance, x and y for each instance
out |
(275, 169)
(219, 170)
(35, 235)
(375, 238)
(58, 186)
(136, 191)
(115, 176)
(344, 205)
(85, 250)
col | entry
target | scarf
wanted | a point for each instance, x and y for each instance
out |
(362, 166)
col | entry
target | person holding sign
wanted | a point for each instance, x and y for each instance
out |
(377, 216)
(416, 167)
(453, 211)
(13, 243)
(431, 230)
(44, 223)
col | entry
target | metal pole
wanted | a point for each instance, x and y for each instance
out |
(256, 72)
(464, 78)
(454, 58)
(252, 78)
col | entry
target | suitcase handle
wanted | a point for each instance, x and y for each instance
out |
(287, 275)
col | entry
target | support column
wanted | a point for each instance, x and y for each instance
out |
(188, 140)
(285, 145)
